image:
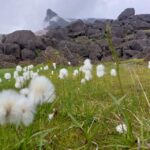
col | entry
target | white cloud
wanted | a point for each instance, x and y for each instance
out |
(29, 14)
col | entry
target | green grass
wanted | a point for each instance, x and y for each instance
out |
(87, 114)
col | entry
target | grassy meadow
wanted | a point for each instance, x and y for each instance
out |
(86, 115)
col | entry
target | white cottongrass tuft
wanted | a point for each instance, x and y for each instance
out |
(7, 76)
(87, 66)
(100, 70)
(113, 72)
(75, 72)
(83, 81)
(16, 74)
(63, 73)
(18, 68)
(54, 65)
(15, 108)
(121, 128)
(30, 67)
(69, 63)
(25, 111)
(7, 102)
(46, 67)
(148, 64)
(88, 75)
(18, 85)
(50, 116)
(52, 72)
(24, 91)
(41, 90)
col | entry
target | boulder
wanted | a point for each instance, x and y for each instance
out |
(126, 14)
(131, 54)
(27, 54)
(1, 48)
(76, 29)
(12, 49)
(24, 38)
(7, 58)
(57, 33)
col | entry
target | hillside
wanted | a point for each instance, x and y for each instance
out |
(78, 40)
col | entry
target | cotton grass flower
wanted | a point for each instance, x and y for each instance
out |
(87, 66)
(50, 116)
(18, 85)
(69, 63)
(100, 70)
(7, 76)
(25, 111)
(46, 67)
(7, 102)
(24, 91)
(75, 72)
(113, 72)
(54, 65)
(121, 128)
(30, 67)
(15, 108)
(63, 73)
(83, 81)
(41, 90)
(148, 64)
(16, 74)
(88, 75)
(18, 68)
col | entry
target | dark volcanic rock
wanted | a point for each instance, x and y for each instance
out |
(24, 38)
(126, 14)
(27, 54)
(76, 29)
(12, 49)
(7, 58)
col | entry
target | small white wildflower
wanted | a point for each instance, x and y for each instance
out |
(7, 76)
(121, 128)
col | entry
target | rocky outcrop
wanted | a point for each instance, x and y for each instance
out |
(126, 14)
(79, 40)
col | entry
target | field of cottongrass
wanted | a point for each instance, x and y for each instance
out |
(76, 108)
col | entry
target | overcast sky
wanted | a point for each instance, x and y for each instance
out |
(29, 14)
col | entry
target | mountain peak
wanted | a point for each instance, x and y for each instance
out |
(54, 20)
(49, 15)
